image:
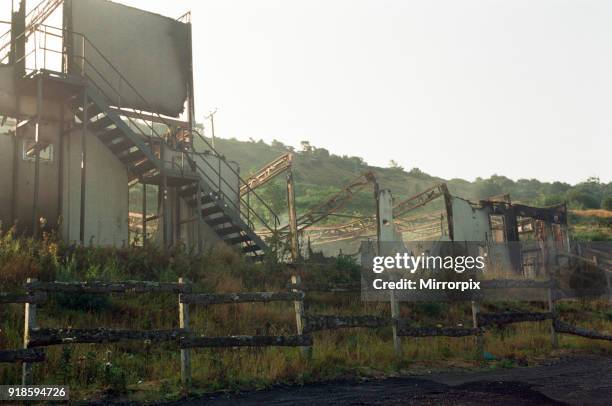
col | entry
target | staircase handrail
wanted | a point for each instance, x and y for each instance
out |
(241, 180)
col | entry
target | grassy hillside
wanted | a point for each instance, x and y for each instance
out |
(319, 173)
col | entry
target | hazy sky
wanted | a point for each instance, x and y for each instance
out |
(521, 88)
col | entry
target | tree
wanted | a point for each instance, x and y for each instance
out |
(394, 165)
(550, 200)
(321, 153)
(581, 199)
(306, 147)
(487, 188)
(607, 203)
(419, 174)
(278, 145)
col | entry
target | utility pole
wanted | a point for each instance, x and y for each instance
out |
(211, 116)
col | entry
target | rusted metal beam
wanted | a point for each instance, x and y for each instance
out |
(334, 203)
(267, 173)
(419, 200)
(361, 226)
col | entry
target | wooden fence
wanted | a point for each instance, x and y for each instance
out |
(480, 321)
(35, 339)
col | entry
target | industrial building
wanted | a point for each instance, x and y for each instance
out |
(96, 98)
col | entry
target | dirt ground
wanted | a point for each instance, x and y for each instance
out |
(585, 380)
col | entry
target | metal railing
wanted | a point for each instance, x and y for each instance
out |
(38, 58)
(34, 19)
(244, 206)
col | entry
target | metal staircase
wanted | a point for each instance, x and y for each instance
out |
(134, 138)
(141, 155)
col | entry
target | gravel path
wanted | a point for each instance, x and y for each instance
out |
(583, 380)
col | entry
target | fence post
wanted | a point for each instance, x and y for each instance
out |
(609, 283)
(608, 279)
(298, 305)
(29, 324)
(479, 337)
(185, 352)
(551, 308)
(386, 234)
(395, 315)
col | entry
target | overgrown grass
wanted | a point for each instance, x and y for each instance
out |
(144, 371)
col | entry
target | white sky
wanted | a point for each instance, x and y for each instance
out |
(521, 88)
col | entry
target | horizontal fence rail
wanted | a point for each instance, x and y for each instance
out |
(6, 298)
(405, 331)
(23, 355)
(515, 283)
(247, 341)
(484, 284)
(563, 327)
(246, 297)
(490, 319)
(54, 336)
(110, 287)
(318, 323)
(332, 288)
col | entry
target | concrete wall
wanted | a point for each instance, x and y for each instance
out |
(132, 39)
(106, 193)
(24, 106)
(469, 223)
(48, 201)
(15, 168)
(230, 185)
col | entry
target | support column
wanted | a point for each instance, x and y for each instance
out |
(144, 214)
(83, 168)
(60, 168)
(15, 184)
(386, 234)
(166, 217)
(177, 222)
(39, 102)
(293, 231)
(199, 217)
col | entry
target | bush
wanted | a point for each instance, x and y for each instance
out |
(582, 200)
